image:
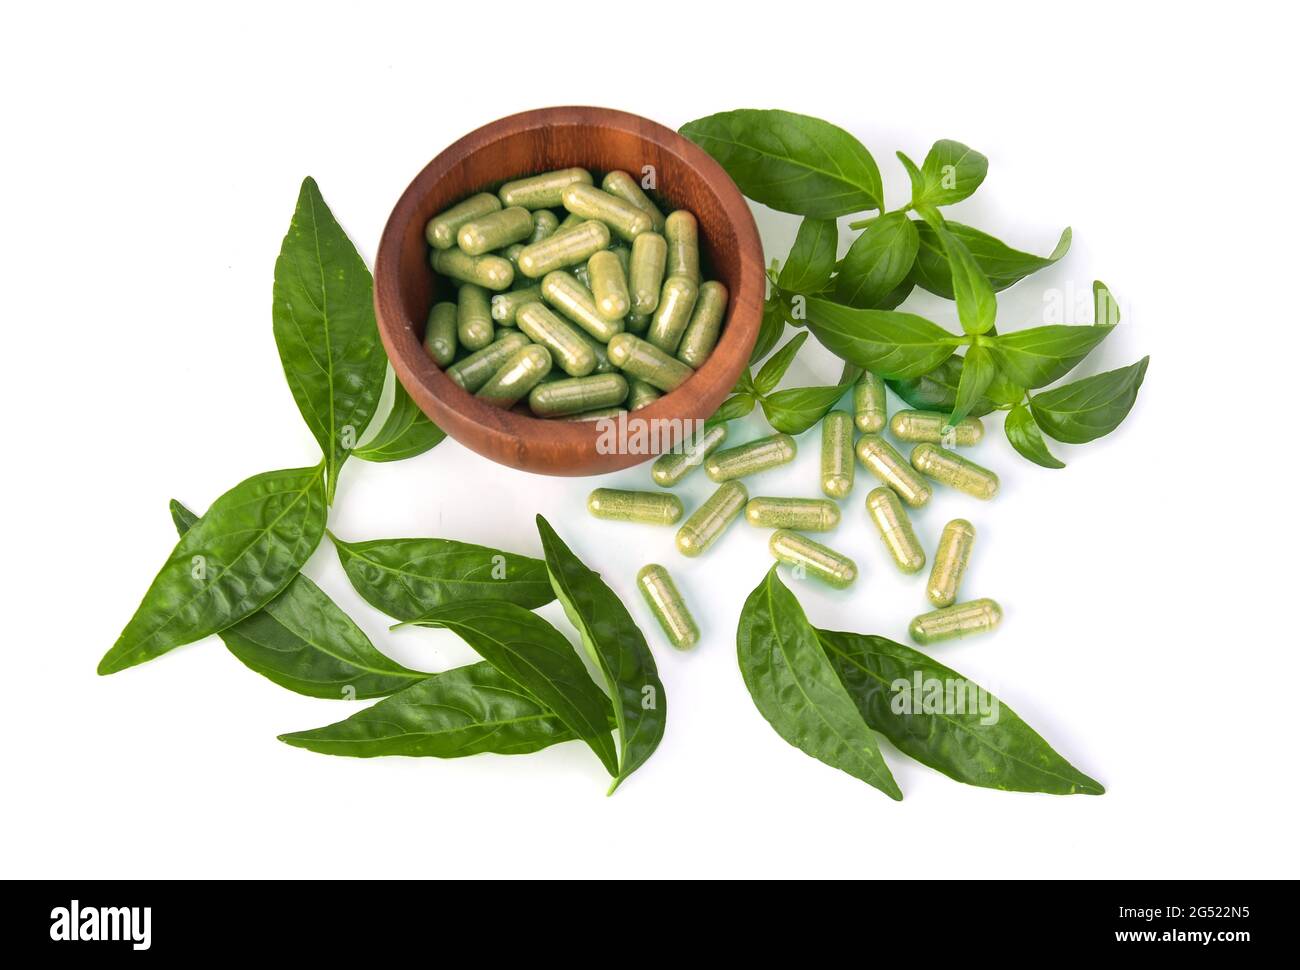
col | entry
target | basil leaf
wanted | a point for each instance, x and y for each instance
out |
(736, 406)
(796, 409)
(231, 563)
(324, 323)
(791, 162)
(535, 656)
(915, 176)
(301, 640)
(770, 374)
(769, 330)
(878, 262)
(977, 307)
(977, 373)
(797, 690)
(407, 431)
(1023, 433)
(1003, 392)
(1001, 264)
(468, 710)
(812, 258)
(1089, 408)
(1105, 308)
(617, 646)
(936, 390)
(887, 342)
(1042, 355)
(408, 577)
(952, 172)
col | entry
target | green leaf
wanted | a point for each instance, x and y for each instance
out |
(952, 172)
(406, 578)
(324, 323)
(1001, 264)
(936, 390)
(468, 710)
(301, 640)
(797, 690)
(407, 431)
(915, 176)
(791, 162)
(882, 676)
(770, 373)
(977, 307)
(1042, 355)
(1105, 308)
(234, 561)
(617, 646)
(878, 262)
(977, 374)
(1004, 392)
(796, 409)
(770, 329)
(736, 406)
(535, 656)
(887, 342)
(812, 258)
(1089, 408)
(1023, 433)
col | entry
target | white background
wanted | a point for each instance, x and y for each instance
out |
(151, 162)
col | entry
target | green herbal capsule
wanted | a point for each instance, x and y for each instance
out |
(597, 415)
(440, 334)
(673, 314)
(895, 527)
(577, 394)
(511, 254)
(506, 305)
(647, 362)
(603, 364)
(608, 286)
(624, 256)
(837, 454)
(441, 230)
(517, 377)
(620, 215)
(545, 222)
(626, 188)
(640, 394)
(637, 323)
(880, 458)
(977, 616)
(812, 557)
(683, 235)
(571, 298)
(955, 471)
(495, 231)
(565, 247)
(474, 317)
(544, 191)
(929, 426)
(950, 561)
(569, 221)
(646, 272)
(667, 605)
(477, 369)
(573, 354)
(711, 519)
(802, 514)
(648, 508)
(489, 272)
(702, 332)
(869, 403)
(750, 459)
(672, 467)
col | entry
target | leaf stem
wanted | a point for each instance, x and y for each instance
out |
(863, 223)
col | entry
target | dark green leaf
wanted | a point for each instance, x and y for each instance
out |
(791, 162)
(1091, 407)
(1104, 306)
(887, 342)
(736, 406)
(797, 690)
(324, 323)
(407, 431)
(796, 409)
(937, 389)
(878, 262)
(952, 172)
(770, 329)
(770, 373)
(977, 307)
(1022, 431)
(913, 701)
(234, 561)
(1042, 355)
(915, 176)
(1001, 264)
(977, 374)
(812, 258)
(408, 577)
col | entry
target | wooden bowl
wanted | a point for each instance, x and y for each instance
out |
(536, 141)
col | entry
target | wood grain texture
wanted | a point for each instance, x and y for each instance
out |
(602, 140)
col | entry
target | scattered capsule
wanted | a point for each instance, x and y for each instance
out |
(647, 362)
(673, 315)
(544, 191)
(506, 305)
(671, 467)
(702, 332)
(801, 514)
(750, 459)
(895, 529)
(598, 414)
(517, 377)
(955, 471)
(626, 188)
(608, 286)
(837, 454)
(577, 394)
(440, 334)
(620, 215)
(441, 230)
(572, 299)
(573, 354)
(545, 222)
(564, 247)
(666, 603)
(477, 369)
(869, 403)
(932, 427)
(490, 272)
(950, 561)
(495, 231)
(640, 394)
(711, 519)
(812, 557)
(622, 505)
(880, 458)
(646, 272)
(682, 233)
(474, 317)
(976, 616)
